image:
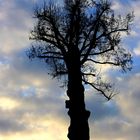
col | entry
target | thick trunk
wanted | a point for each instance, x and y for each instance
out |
(79, 128)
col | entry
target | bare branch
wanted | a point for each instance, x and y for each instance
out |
(98, 53)
(106, 62)
(54, 53)
(93, 41)
(42, 38)
(61, 72)
(52, 57)
(71, 32)
(88, 74)
(109, 33)
(94, 26)
(100, 90)
(57, 37)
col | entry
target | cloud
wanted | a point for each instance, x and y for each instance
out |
(15, 23)
(123, 123)
(26, 90)
(99, 107)
(32, 104)
(129, 102)
(8, 125)
(7, 103)
(116, 5)
(137, 50)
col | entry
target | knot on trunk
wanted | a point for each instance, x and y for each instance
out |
(67, 103)
(87, 114)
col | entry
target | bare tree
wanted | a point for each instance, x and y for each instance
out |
(73, 38)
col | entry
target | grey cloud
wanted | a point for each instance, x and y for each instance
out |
(7, 125)
(102, 109)
(118, 119)
(44, 102)
(17, 82)
(14, 16)
(109, 129)
(10, 123)
(18, 74)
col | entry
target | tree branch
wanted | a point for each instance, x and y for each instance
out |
(57, 34)
(107, 34)
(100, 90)
(50, 18)
(51, 57)
(51, 52)
(106, 62)
(61, 72)
(98, 53)
(88, 74)
(93, 27)
(46, 40)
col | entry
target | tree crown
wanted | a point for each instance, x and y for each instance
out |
(89, 28)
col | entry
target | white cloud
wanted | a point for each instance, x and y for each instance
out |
(137, 50)
(116, 5)
(31, 107)
(134, 33)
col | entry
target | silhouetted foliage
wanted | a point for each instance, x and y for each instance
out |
(76, 37)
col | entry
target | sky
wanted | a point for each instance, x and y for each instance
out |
(32, 104)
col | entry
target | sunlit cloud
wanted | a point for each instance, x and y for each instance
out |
(137, 50)
(32, 105)
(8, 104)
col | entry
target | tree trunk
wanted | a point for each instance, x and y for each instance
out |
(79, 128)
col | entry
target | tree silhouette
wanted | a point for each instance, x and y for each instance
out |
(74, 38)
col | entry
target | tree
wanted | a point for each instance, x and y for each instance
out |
(73, 38)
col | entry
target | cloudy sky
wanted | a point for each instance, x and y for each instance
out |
(32, 104)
